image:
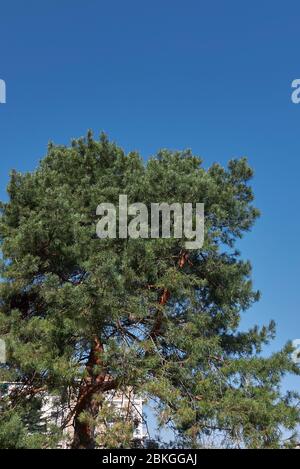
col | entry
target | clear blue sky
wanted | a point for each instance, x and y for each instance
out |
(212, 76)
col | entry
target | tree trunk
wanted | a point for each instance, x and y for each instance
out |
(84, 432)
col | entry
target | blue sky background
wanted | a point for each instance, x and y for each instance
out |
(212, 76)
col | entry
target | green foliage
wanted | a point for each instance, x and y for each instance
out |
(61, 286)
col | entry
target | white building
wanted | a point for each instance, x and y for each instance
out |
(52, 411)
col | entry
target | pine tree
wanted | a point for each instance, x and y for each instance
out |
(83, 316)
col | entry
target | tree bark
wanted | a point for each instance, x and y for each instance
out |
(84, 431)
